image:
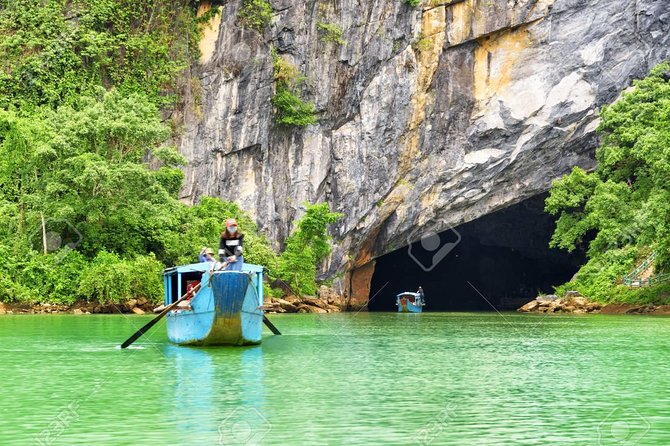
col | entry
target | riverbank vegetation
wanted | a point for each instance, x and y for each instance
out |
(89, 205)
(621, 211)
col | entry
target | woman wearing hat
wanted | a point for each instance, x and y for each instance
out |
(206, 255)
(230, 246)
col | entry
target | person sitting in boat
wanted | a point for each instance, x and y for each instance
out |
(206, 255)
(230, 246)
(420, 293)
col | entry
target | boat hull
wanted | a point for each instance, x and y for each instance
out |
(409, 303)
(408, 307)
(225, 311)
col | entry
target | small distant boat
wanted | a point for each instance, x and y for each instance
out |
(226, 309)
(409, 302)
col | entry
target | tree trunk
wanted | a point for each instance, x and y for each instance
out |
(44, 232)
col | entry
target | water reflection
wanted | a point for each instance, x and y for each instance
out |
(218, 394)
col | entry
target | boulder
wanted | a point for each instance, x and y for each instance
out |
(77, 311)
(292, 299)
(286, 305)
(137, 310)
(315, 302)
(530, 306)
(662, 309)
(132, 303)
(546, 298)
(310, 309)
(333, 308)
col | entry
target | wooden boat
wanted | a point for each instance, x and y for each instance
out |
(409, 302)
(226, 310)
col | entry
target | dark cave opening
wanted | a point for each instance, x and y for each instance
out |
(499, 261)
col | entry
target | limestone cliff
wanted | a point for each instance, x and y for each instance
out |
(429, 117)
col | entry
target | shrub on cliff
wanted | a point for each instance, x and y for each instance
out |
(290, 110)
(255, 14)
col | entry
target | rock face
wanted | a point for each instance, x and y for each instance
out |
(429, 117)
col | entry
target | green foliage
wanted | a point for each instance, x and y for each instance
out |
(597, 278)
(413, 3)
(306, 247)
(422, 43)
(202, 224)
(31, 277)
(330, 32)
(52, 51)
(83, 167)
(110, 279)
(209, 14)
(625, 204)
(255, 14)
(82, 151)
(290, 109)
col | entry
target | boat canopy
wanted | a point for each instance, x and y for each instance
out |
(176, 280)
(206, 266)
(408, 293)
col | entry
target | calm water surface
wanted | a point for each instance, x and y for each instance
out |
(434, 378)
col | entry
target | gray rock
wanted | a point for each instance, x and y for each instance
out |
(488, 112)
(303, 308)
(546, 298)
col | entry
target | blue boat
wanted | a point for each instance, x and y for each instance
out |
(409, 302)
(226, 309)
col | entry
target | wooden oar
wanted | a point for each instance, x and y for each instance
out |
(270, 325)
(165, 311)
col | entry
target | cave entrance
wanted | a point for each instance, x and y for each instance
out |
(499, 261)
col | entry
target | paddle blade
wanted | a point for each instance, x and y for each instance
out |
(270, 325)
(144, 329)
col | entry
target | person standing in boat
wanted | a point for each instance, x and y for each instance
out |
(230, 246)
(421, 296)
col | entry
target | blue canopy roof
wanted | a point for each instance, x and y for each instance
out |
(411, 293)
(206, 266)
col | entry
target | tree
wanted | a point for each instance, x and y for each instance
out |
(306, 247)
(625, 202)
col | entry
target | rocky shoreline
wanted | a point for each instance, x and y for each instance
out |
(132, 306)
(327, 300)
(575, 303)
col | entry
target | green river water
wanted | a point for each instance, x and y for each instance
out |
(378, 378)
